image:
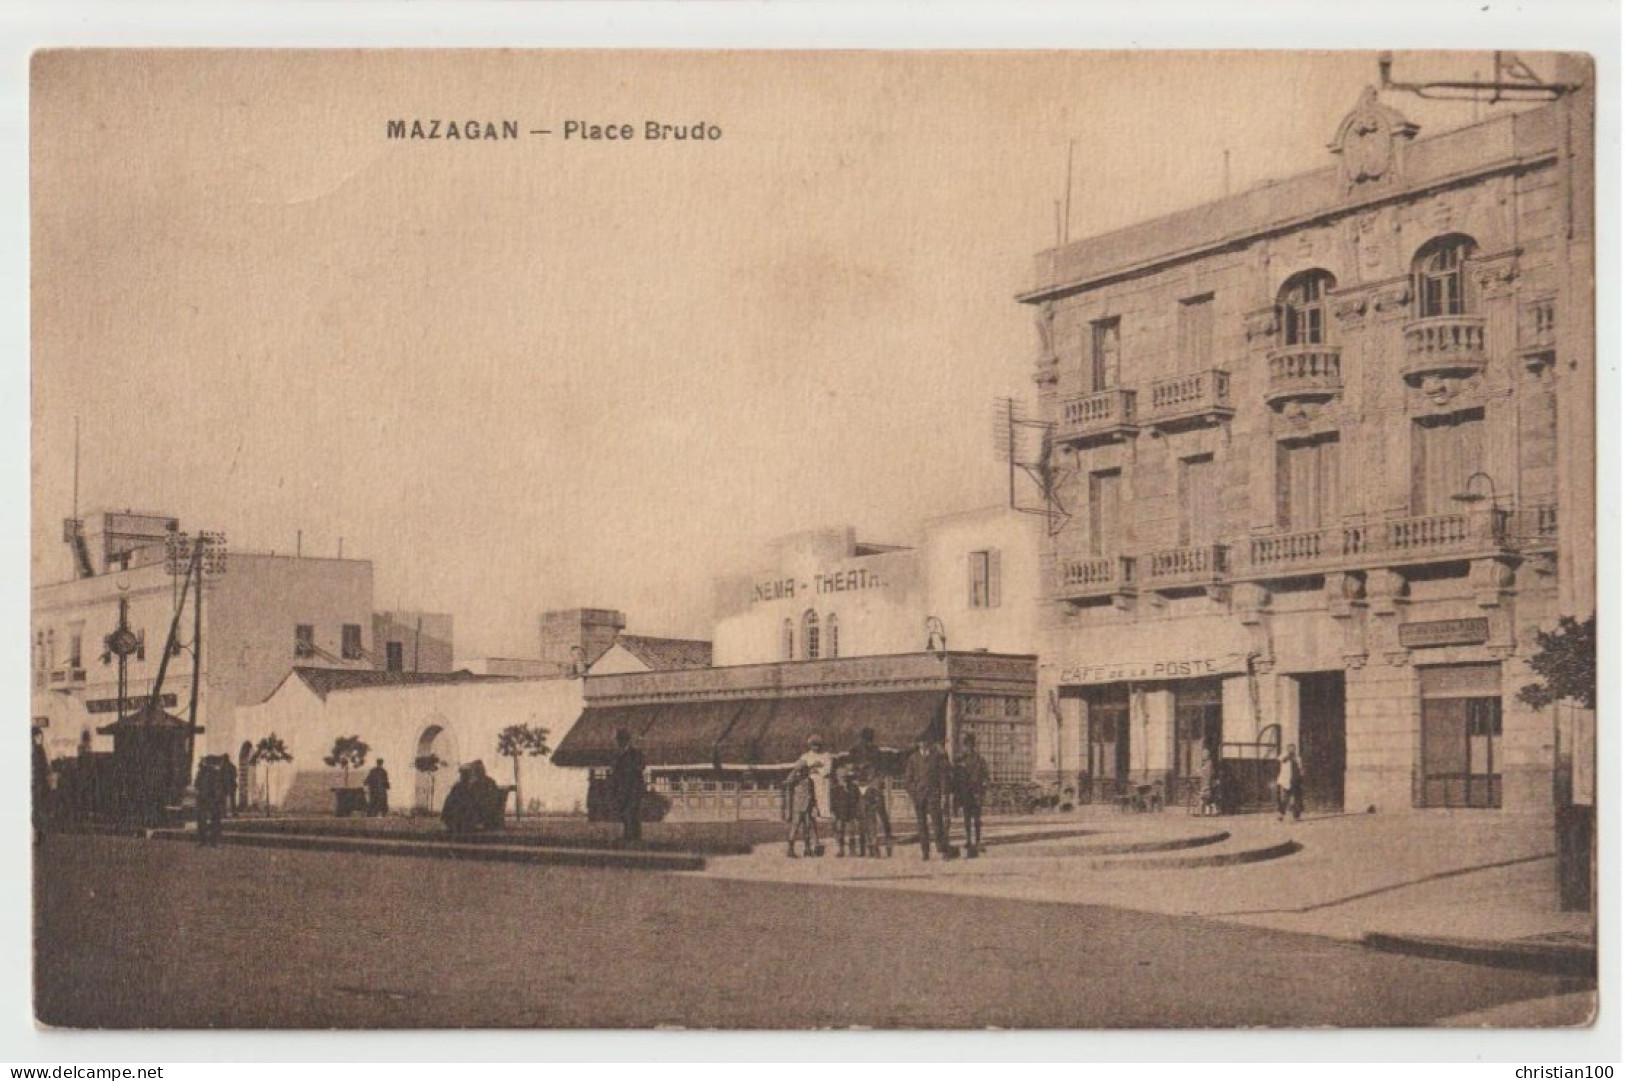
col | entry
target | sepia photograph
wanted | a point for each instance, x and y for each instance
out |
(582, 539)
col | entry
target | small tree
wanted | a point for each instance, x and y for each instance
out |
(429, 763)
(515, 742)
(268, 752)
(349, 752)
(1566, 663)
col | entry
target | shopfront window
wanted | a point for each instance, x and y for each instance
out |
(1461, 736)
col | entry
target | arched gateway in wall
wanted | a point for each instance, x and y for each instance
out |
(432, 785)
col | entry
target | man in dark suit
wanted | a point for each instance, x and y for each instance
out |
(972, 776)
(926, 779)
(626, 787)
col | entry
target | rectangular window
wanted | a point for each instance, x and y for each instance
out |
(76, 645)
(350, 645)
(1198, 501)
(1104, 511)
(1461, 736)
(984, 579)
(392, 657)
(141, 644)
(304, 640)
(1308, 484)
(1103, 354)
(1196, 332)
(1445, 452)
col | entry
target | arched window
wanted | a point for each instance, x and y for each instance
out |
(1440, 277)
(834, 635)
(1302, 304)
(809, 634)
(789, 640)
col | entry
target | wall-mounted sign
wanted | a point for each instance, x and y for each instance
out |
(1445, 632)
(1151, 671)
(110, 705)
(789, 588)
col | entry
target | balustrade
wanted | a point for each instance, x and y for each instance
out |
(1444, 344)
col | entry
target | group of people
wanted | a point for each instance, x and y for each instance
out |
(475, 804)
(857, 797)
(216, 789)
(1215, 794)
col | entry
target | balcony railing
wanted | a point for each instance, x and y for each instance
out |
(1444, 345)
(1398, 541)
(1192, 566)
(1304, 372)
(1313, 549)
(1108, 414)
(1195, 396)
(1100, 576)
(1535, 524)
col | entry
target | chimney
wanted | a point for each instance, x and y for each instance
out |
(592, 629)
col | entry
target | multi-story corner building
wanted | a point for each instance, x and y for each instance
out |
(1310, 471)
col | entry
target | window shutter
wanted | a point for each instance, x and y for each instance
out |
(970, 579)
(993, 578)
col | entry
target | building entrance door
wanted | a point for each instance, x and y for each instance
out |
(1198, 726)
(1321, 742)
(1108, 741)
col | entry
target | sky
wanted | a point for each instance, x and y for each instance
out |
(547, 373)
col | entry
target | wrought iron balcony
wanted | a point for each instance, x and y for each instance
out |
(1085, 578)
(1304, 373)
(1199, 397)
(1198, 565)
(1444, 345)
(1537, 331)
(1107, 415)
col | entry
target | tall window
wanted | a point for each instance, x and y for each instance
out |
(1307, 483)
(788, 636)
(1445, 452)
(1196, 332)
(1440, 277)
(1108, 732)
(984, 578)
(834, 635)
(39, 659)
(1103, 351)
(1198, 501)
(76, 645)
(809, 634)
(1302, 307)
(351, 643)
(304, 640)
(394, 659)
(1104, 512)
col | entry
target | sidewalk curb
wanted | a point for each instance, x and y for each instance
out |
(1224, 859)
(1121, 848)
(566, 857)
(508, 837)
(1551, 958)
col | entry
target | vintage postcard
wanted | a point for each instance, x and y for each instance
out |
(813, 540)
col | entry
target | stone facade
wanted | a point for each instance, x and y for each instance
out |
(1305, 444)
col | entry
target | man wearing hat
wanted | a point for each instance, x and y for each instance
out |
(626, 787)
(927, 782)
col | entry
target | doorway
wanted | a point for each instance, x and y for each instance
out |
(436, 763)
(1322, 741)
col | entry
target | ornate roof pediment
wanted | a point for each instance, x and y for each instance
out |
(1370, 140)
